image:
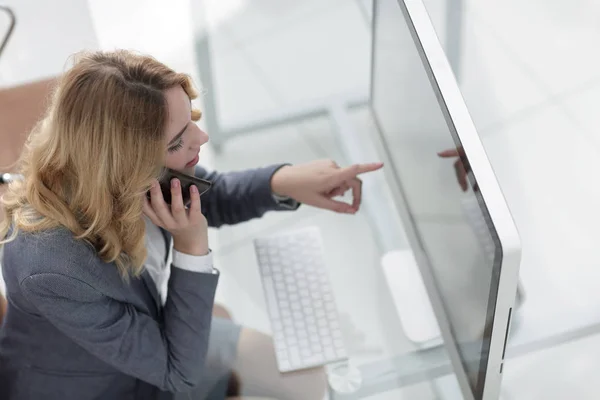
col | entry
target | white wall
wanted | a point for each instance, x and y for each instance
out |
(161, 29)
(47, 32)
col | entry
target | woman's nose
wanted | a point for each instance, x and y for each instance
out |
(200, 137)
(204, 136)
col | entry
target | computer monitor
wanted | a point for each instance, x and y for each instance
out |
(471, 274)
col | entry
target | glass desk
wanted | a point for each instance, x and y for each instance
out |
(391, 366)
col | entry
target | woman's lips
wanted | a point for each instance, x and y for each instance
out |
(194, 161)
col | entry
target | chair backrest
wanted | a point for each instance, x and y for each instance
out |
(20, 108)
(2, 307)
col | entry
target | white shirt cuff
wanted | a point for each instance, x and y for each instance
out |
(193, 263)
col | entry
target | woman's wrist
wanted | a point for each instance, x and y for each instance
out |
(278, 182)
(195, 246)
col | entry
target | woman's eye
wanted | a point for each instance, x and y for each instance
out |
(177, 147)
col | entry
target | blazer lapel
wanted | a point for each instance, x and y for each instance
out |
(167, 237)
(151, 287)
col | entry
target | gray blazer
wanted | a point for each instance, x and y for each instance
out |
(75, 330)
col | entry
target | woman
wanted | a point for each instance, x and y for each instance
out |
(94, 309)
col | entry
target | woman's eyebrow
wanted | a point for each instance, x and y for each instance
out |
(179, 134)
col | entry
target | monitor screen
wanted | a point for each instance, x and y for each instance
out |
(452, 227)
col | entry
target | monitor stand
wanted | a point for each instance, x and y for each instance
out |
(410, 298)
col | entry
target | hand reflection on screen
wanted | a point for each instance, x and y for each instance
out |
(461, 166)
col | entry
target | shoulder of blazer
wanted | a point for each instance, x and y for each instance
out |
(57, 251)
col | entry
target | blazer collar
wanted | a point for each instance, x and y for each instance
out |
(147, 279)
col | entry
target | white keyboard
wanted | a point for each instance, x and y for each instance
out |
(299, 298)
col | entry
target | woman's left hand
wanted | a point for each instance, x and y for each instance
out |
(316, 183)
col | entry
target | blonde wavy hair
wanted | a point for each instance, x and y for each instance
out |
(89, 162)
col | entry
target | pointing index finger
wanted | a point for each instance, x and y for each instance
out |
(451, 153)
(354, 170)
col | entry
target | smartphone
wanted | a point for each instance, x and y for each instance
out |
(186, 183)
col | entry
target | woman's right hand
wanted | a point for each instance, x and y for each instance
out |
(188, 226)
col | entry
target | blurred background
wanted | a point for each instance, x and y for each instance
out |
(529, 72)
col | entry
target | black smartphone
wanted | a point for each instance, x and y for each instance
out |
(186, 183)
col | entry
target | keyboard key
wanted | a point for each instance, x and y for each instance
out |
(292, 340)
(282, 355)
(302, 332)
(305, 353)
(316, 348)
(295, 358)
(280, 348)
(284, 366)
(278, 335)
(316, 359)
(269, 290)
(329, 353)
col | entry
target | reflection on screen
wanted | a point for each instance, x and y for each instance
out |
(444, 205)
